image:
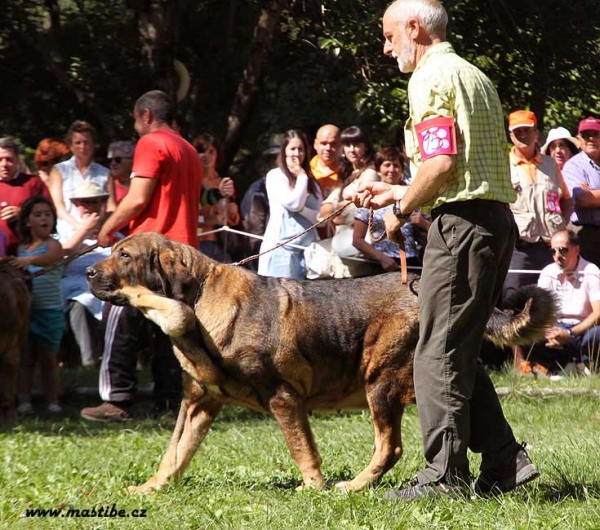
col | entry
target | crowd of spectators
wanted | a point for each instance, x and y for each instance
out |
(557, 214)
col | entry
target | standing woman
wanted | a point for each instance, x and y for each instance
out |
(294, 200)
(48, 153)
(357, 166)
(67, 175)
(217, 207)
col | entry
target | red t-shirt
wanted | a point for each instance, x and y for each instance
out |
(14, 193)
(173, 208)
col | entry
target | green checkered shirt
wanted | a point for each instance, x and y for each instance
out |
(443, 84)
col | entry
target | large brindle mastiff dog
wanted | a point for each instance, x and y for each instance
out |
(281, 346)
(14, 324)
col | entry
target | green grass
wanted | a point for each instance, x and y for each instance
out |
(243, 476)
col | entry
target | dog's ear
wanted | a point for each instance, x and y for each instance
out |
(177, 264)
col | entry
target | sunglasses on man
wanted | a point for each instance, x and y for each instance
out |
(586, 135)
(117, 159)
(561, 250)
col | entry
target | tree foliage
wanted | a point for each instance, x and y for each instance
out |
(261, 66)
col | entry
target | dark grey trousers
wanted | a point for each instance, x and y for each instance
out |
(468, 252)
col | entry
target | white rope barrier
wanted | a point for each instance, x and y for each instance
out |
(226, 228)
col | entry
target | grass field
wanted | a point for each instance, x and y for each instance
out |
(243, 476)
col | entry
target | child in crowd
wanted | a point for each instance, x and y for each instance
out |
(37, 249)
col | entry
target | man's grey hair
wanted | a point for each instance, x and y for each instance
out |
(430, 14)
(125, 148)
(9, 143)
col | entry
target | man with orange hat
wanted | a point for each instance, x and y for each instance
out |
(582, 175)
(543, 204)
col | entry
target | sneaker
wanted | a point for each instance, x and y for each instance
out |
(582, 369)
(25, 408)
(425, 491)
(106, 412)
(54, 408)
(502, 480)
(523, 368)
(541, 372)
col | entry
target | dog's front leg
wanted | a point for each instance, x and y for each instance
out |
(173, 317)
(197, 413)
(290, 413)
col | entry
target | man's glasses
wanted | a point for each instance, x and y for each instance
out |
(117, 159)
(561, 250)
(589, 134)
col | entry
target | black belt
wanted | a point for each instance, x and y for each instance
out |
(472, 205)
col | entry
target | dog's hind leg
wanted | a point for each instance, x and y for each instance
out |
(385, 398)
(197, 413)
(291, 415)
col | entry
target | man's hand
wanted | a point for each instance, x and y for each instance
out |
(374, 194)
(392, 228)
(105, 237)
(556, 338)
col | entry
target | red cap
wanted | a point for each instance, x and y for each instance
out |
(521, 118)
(589, 124)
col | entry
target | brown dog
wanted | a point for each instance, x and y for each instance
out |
(14, 323)
(282, 346)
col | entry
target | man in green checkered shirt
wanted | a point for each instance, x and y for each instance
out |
(456, 142)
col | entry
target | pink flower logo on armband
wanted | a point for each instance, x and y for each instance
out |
(436, 136)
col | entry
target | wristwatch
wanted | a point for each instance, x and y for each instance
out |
(400, 216)
(571, 333)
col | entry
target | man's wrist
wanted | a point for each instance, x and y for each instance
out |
(397, 209)
(571, 333)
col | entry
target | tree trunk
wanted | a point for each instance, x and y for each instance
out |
(158, 35)
(247, 90)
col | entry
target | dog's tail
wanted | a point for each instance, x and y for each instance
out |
(533, 309)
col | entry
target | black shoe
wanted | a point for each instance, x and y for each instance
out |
(502, 480)
(425, 491)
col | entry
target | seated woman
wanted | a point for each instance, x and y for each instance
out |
(389, 163)
(217, 205)
(294, 199)
(358, 166)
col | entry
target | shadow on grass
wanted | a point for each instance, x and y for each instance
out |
(566, 490)
(69, 422)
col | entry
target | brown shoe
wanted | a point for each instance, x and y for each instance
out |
(106, 412)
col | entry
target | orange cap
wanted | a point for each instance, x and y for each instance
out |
(521, 118)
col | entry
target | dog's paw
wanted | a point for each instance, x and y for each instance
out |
(315, 483)
(346, 486)
(144, 489)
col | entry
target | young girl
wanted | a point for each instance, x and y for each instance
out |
(37, 249)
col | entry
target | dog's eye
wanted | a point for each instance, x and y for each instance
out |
(123, 255)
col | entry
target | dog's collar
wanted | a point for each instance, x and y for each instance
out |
(201, 287)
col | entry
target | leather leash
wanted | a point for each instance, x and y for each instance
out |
(403, 264)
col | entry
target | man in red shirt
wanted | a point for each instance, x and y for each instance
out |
(163, 197)
(15, 188)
